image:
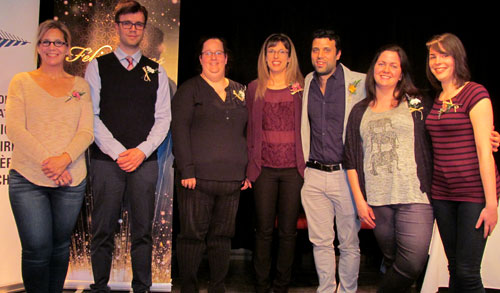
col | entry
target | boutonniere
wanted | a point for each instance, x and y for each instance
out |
(353, 86)
(75, 95)
(147, 70)
(447, 106)
(415, 105)
(295, 88)
(240, 94)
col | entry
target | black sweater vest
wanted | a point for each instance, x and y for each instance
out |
(127, 102)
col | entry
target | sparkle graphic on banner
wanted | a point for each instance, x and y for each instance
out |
(92, 27)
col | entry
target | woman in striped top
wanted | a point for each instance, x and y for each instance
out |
(465, 179)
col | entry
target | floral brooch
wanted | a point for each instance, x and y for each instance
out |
(240, 94)
(415, 105)
(147, 70)
(353, 87)
(75, 95)
(447, 106)
(295, 88)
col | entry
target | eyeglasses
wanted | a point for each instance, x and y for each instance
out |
(280, 52)
(210, 53)
(128, 25)
(46, 43)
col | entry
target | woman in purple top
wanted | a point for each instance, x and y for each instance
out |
(275, 159)
(465, 183)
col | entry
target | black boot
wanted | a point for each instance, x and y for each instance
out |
(394, 282)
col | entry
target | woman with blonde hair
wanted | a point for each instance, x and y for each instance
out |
(50, 120)
(276, 163)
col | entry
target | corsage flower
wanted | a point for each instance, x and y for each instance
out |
(147, 70)
(353, 87)
(447, 106)
(295, 88)
(240, 94)
(415, 105)
(75, 95)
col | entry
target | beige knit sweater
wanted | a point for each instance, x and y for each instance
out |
(41, 126)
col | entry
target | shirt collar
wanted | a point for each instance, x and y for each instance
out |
(337, 74)
(122, 55)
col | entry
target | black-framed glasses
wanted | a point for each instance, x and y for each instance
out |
(46, 43)
(210, 53)
(128, 25)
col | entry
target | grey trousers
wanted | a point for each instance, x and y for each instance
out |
(327, 200)
(403, 233)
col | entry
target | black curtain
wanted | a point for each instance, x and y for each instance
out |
(363, 29)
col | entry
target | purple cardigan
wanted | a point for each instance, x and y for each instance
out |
(254, 132)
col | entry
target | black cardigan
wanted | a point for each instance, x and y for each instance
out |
(353, 152)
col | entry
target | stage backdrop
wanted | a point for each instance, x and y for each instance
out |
(18, 24)
(92, 26)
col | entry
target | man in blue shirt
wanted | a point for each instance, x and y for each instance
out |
(131, 101)
(330, 93)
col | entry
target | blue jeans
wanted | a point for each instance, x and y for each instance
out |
(463, 243)
(45, 218)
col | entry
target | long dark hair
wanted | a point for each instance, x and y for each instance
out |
(404, 87)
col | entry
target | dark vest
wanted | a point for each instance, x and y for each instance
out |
(127, 103)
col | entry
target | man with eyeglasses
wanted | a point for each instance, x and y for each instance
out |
(131, 101)
(330, 92)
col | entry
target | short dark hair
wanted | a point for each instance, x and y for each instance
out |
(328, 34)
(203, 39)
(403, 87)
(130, 6)
(225, 47)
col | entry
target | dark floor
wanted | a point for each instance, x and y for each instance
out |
(304, 278)
(240, 278)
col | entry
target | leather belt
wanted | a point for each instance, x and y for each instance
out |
(323, 167)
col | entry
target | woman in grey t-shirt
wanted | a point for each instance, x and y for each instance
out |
(389, 163)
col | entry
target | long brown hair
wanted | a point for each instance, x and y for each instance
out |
(293, 73)
(450, 44)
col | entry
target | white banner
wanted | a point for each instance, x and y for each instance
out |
(18, 27)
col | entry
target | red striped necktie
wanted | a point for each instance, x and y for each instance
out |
(130, 63)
